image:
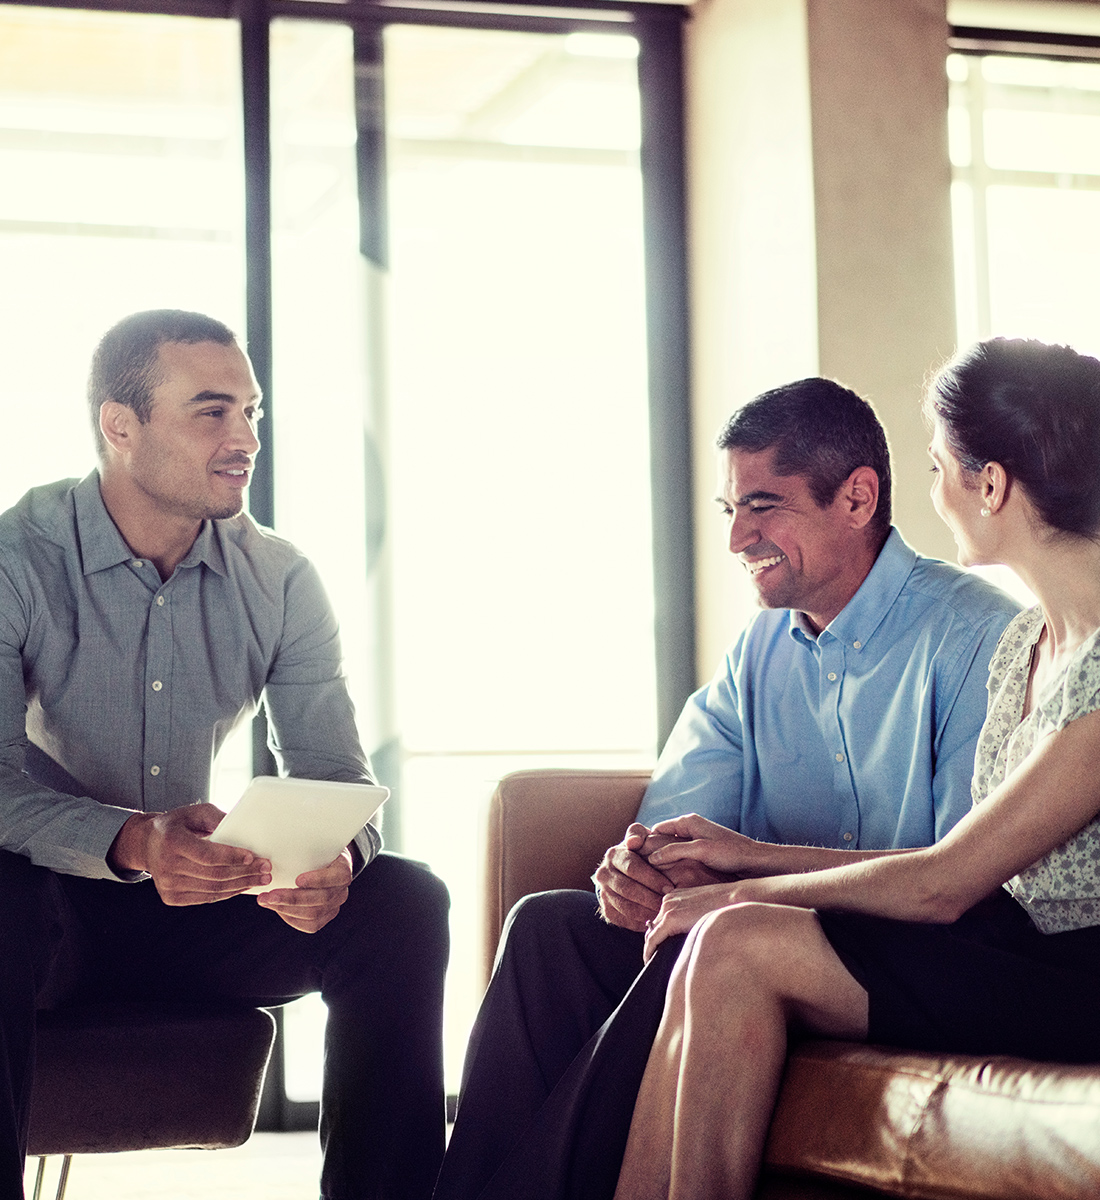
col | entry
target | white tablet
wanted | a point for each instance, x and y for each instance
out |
(299, 824)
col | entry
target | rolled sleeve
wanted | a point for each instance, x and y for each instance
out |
(700, 767)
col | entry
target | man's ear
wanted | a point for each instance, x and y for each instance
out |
(860, 495)
(116, 422)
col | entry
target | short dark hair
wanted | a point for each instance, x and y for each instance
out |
(820, 429)
(124, 362)
(1035, 409)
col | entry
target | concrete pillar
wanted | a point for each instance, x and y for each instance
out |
(882, 179)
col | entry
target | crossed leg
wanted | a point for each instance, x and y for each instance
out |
(706, 1100)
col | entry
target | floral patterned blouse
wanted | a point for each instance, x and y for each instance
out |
(1062, 890)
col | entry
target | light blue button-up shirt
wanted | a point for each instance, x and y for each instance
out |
(862, 737)
(119, 688)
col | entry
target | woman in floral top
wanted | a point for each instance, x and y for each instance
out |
(989, 941)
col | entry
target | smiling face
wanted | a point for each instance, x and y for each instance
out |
(799, 555)
(192, 460)
(957, 498)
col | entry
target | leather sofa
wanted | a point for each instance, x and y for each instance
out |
(852, 1120)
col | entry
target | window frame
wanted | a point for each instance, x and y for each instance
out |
(979, 42)
(658, 27)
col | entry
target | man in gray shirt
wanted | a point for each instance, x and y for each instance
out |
(142, 617)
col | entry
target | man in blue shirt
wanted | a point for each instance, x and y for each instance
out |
(144, 615)
(844, 719)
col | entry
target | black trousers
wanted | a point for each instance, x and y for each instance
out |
(556, 1056)
(379, 967)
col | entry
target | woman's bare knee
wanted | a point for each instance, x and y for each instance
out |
(781, 953)
(752, 933)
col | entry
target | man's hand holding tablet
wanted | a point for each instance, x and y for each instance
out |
(303, 828)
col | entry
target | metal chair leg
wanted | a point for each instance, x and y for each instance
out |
(39, 1177)
(62, 1180)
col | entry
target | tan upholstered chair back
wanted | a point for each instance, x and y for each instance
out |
(549, 829)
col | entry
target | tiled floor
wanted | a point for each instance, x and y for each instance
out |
(269, 1166)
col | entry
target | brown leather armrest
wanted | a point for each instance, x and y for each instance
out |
(933, 1126)
(549, 829)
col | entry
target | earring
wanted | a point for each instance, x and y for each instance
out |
(985, 512)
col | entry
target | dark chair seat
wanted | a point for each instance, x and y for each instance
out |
(147, 1077)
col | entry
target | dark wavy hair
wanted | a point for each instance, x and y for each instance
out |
(124, 362)
(820, 429)
(1035, 409)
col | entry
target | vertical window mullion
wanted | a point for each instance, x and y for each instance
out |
(372, 181)
(256, 103)
(256, 109)
(661, 84)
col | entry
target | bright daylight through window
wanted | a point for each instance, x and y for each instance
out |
(1025, 148)
(461, 439)
(493, 536)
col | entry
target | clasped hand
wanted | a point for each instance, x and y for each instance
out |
(187, 868)
(649, 864)
(694, 839)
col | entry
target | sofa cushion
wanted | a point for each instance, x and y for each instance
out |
(933, 1126)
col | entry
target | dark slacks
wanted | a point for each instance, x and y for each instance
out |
(556, 1056)
(379, 967)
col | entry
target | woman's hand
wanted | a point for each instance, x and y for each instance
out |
(681, 909)
(685, 872)
(701, 841)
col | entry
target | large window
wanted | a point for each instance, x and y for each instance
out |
(462, 436)
(445, 292)
(518, 452)
(1025, 147)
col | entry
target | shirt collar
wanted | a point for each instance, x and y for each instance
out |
(207, 549)
(857, 621)
(102, 546)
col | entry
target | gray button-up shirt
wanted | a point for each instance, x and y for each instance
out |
(130, 685)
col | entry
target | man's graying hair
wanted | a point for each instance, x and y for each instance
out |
(124, 362)
(819, 429)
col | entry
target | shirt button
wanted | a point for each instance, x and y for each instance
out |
(840, 758)
(137, 563)
(832, 677)
(154, 770)
(157, 685)
(858, 645)
(847, 837)
(160, 600)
